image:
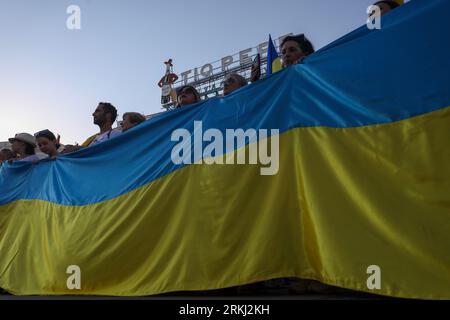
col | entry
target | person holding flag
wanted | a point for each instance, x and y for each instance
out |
(293, 50)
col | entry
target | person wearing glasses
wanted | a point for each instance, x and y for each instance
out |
(187, 95)
(232, 82)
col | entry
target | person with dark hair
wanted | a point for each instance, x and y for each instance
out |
(130, 120)
(6, 154)
(107, 108)
(386, 6)
(23, 145)
(47, 143)
(187, 95)
(104, 116)
(232, 82)
(294, 49)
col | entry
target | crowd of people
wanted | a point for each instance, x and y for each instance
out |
(293, 50)
(25, 145)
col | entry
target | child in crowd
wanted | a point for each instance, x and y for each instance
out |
(47, 143)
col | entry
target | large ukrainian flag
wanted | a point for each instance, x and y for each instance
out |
(364, 179)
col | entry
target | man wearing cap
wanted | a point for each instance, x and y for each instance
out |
(23, 145)
(294, 49)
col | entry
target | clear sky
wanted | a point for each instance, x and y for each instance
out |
(52, 77)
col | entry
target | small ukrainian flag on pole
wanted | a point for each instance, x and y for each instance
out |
(273, 61)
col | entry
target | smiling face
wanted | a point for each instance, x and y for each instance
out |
(126, 123)
(47, 146)
(291, 53)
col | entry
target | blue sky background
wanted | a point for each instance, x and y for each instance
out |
(52, 77)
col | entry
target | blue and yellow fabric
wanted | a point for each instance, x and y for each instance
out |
(273, 60)
(364, 179)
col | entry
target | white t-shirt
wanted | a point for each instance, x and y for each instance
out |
(105, 136)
